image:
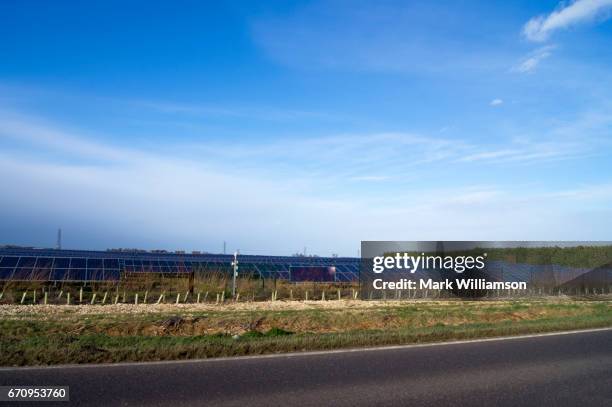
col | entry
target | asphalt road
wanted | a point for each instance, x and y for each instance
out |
(561, 370)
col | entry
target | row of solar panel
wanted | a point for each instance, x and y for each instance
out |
(206, 257)
(76, 268)
(114, 274)
(58, 262)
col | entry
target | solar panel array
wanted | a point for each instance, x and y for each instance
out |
(81, 265)
(547, 275)
(25, 264)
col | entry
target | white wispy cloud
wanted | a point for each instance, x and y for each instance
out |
(496, 102)
(37, 132)
(566, 15)
(379, 37)
(248, 112)
(533, 59)
(372, 178)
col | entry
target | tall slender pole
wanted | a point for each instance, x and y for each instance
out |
(235, 273)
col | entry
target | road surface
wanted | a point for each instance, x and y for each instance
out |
(561, 370)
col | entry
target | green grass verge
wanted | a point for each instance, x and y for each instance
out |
(73, 339)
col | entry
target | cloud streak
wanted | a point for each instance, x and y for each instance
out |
(533, 60)
(540, 28)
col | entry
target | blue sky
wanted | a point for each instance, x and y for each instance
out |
(280, 125)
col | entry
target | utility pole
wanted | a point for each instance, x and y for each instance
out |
(235, 273)
(224, 247)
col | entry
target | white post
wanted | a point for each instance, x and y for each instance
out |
(234, 273)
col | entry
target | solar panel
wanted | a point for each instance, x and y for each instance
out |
(81, 265)
(8, 261)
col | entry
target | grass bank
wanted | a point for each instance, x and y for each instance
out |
(36, 335)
